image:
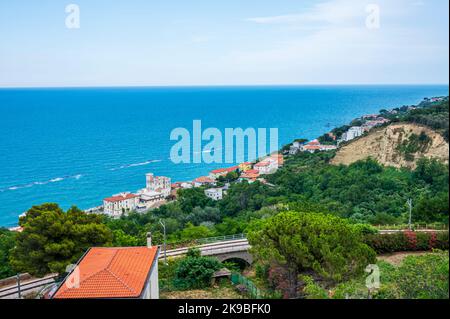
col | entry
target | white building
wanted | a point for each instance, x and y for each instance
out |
(295, 148)
(269, 165)
(203, 181)
(214, 193)
(352, 133)
(149, 199)
(120, 204)
(159, 184)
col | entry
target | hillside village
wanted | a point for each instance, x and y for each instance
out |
(160, 189)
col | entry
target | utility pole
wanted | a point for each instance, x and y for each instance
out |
(409, 202)
(165, 245)
(19, 292)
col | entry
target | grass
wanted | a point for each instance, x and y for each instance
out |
(223, 290)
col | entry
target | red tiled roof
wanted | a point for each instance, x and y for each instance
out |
(218, 171)
(312, 147)
(111, 273)
(314, 142)
(262, 164)
(204, 179)
(119, 198)
(224, 170)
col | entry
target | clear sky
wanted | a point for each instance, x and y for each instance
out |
(229, 42)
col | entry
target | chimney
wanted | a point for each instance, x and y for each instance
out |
(149, 240)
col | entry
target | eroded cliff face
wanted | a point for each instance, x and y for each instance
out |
(383, 145)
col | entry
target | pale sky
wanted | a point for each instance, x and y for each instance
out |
(232, 42)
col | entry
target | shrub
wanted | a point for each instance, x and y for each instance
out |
(194, 253)
(424, 277)
(195, 272)
(365, 229)
(407, 241)
(312, 290)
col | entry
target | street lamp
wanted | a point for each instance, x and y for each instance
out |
(165, 247)
(409, 202)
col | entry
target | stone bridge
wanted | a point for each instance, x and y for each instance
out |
(223, 251)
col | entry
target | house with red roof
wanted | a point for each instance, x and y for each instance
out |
(119, 204)
(215, 174)
(113, 273)
(270, 164)
(250, 175)
(203, 181)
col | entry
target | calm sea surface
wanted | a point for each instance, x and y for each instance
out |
(77, 146)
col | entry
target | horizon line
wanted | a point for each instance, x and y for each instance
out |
(218, 85)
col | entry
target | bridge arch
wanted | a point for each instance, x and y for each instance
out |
(241, 255)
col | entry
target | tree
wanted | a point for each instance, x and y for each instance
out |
(301, 242)
(230, 177)
(121, 239)
(194, 232)
(7, 242)
(424, 277)
(52, 239)
(195, 272)
(200, 215)
(193, 197)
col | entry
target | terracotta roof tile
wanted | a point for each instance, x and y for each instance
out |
(119, 198)
(111, 273)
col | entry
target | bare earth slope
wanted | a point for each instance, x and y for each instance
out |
(382, 145)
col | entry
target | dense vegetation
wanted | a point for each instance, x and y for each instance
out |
(364, 192)
(418, 277)
(53, 239)
(294, 243)
(195, 271)
(7, 242)
(435, 115)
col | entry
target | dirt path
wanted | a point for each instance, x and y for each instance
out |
(396, 259)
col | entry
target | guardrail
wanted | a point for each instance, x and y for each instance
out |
(207, 248)
(416, 227)
(219, 239)
(21, 289)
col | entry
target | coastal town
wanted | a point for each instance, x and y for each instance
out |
(160, 189)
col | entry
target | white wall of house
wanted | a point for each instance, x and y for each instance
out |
(152, 285)
(160, 184)
(117, 208)
(214, 193)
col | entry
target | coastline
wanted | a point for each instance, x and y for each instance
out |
(96, 208)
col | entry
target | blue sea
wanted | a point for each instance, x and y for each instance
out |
(76, 146)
